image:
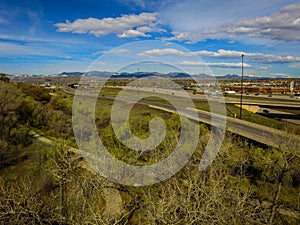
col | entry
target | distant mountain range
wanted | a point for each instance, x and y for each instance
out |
(174, 75)
(125, 75)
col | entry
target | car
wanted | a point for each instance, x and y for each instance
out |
(230, 92)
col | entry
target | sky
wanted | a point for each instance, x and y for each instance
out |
(50, 37)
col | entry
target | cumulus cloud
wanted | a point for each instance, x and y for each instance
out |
(132, 34)
(224, 54)
(196, 36)
(215, 64)
(283, 25)
(124, 26)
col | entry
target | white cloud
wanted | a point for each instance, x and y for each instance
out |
(196, 36)
(66, 57)
(165, 51)
(114, 51)
(144, 29)
(132, 34)
(120, 51)
(224, 54)
(124, 26)
(193, 15)
(264, 68)
(215, 64)
(280, 75)
(249, 56)
(283, 25)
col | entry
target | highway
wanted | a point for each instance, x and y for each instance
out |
(283, 104)
(259, 133)
(284, 116)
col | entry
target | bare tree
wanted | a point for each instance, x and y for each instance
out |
(282, 162)
(20, 204)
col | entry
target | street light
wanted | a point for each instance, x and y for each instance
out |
(138, 80)
(241, 105)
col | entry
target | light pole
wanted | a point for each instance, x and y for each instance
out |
(241, 105)
(138, 81)
(203, 79)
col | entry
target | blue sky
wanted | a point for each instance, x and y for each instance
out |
(49, 37)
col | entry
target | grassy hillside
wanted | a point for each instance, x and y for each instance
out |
(43, 182)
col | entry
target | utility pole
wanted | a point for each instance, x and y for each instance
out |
(203, 78)
(138, 81)
(241, 105)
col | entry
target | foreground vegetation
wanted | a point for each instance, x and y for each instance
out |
(45, 183)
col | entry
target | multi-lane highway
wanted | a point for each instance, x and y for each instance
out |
(256, 132)
(258, 102)
(262, 134)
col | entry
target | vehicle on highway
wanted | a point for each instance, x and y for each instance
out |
(230, 92)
